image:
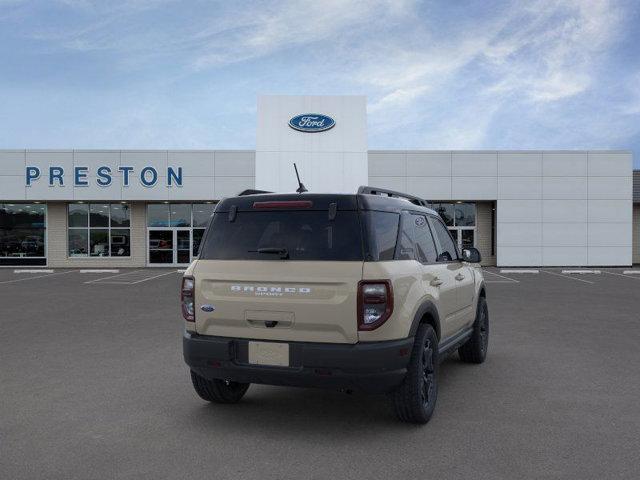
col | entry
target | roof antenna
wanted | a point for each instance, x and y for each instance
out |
(301, 188)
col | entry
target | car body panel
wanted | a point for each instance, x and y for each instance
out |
(310, 301)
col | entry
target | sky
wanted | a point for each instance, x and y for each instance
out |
(437, 75)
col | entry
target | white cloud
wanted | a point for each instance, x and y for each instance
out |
(432, 81)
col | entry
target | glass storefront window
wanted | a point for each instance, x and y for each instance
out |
(90, 233)
(158, 215)
(445, 210)
(120, 242)
(78, 242)
(99, 242)
(467, 238)
(465, 214)
(202, 214)
(78, 215)
(460, 219)
(180, 215)
(120, 216)
(22, 230)
(98, 215)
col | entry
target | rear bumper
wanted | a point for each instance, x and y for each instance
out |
(374, 367)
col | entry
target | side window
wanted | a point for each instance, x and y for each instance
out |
(446, 248)
(406, 240)
(383, 233)
(425, 248)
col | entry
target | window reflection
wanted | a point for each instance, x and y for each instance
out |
(99, 242)
(22, 230)
(120, 242)
(78, 242)
(158, 215)
(120, 215)
(98, 215)
(90, 232)
(78, 215)
(180, 215)
(465, 214)
(202, 214)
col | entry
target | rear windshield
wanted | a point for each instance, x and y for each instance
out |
(304, 235)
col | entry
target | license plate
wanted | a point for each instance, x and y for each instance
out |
(269, 353)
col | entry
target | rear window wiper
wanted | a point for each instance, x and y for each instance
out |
(283, 252)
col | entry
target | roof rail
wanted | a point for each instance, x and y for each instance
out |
(392, 193)
(251, 191)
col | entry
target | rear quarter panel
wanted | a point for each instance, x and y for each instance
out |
(409, 293)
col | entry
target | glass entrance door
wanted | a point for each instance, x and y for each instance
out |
(464, 237)
(170, 246)
(183, 246)
(161, 247)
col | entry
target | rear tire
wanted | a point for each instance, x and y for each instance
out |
(415, 399)
(475, 349)
(218, 391)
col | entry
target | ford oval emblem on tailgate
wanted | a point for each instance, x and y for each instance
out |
(207, 308)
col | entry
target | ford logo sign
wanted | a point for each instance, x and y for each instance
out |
(207, 308)
(311, 122)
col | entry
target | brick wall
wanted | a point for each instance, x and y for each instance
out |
(484, 236)
(57, 240)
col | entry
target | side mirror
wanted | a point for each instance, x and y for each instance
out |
(471, 255)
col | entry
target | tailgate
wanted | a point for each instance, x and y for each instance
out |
(303, 301)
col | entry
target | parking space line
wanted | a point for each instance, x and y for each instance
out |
(514, 270)
(151, 278)
(105, 270)
(499, 281)
(567, 276)
(501, 276)
(39, 276)
(34, 271)
(621, 275)
(112, 276)
(581, 272)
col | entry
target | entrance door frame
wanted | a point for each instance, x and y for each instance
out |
(174, 233)
(458, 238)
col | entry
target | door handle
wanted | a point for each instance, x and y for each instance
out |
(436, 282)
(459, 277)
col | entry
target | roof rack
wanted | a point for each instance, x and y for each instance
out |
(392, 193)
(251, 191)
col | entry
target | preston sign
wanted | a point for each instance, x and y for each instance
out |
(312, 122)
(56, 176)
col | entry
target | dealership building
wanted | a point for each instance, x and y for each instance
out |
(136, 208)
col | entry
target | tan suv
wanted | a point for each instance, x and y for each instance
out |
(360, 292)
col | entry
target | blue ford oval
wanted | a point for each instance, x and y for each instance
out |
(312, 122)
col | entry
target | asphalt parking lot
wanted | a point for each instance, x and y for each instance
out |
(92, 385)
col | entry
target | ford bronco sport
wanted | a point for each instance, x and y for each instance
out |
(361, 291)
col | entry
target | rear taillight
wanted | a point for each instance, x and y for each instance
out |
(187, 299)
(375, 303)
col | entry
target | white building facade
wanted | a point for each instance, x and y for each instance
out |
(98, 208)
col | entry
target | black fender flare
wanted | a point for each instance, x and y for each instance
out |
(482, 292)
(427, 307)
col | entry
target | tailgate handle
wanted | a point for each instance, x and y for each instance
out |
(267, 319)
(269, 323)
